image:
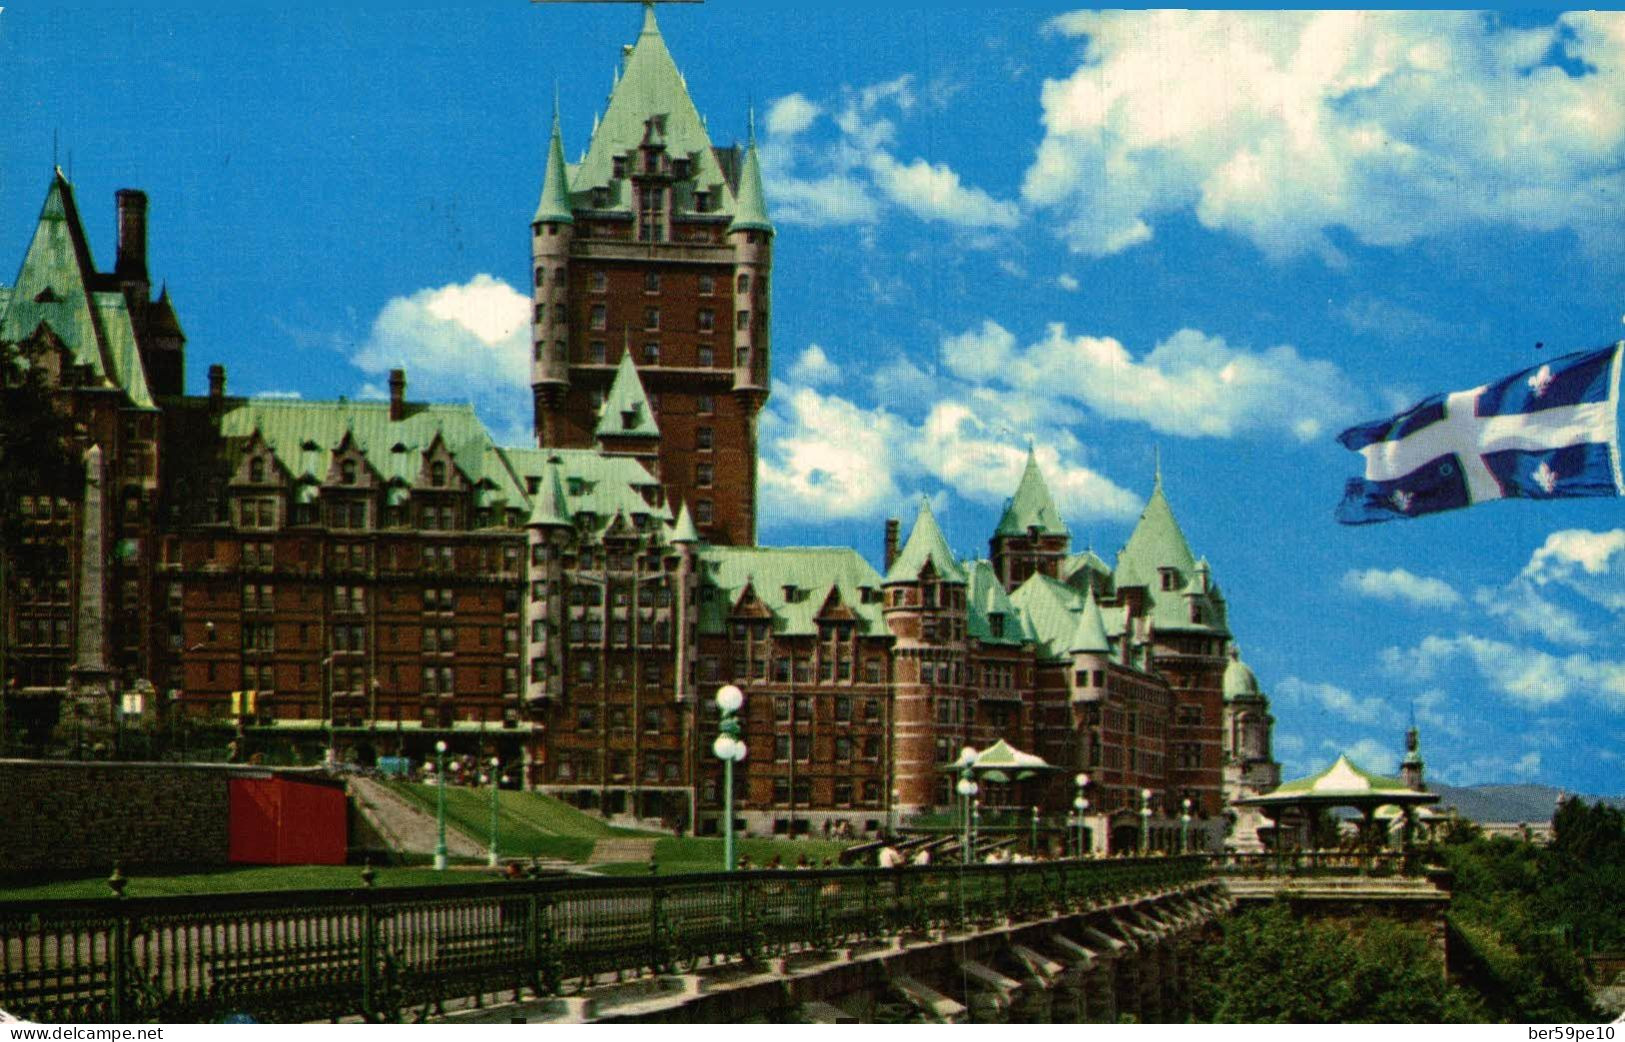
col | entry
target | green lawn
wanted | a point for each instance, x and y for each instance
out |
(238, 879)
(529, 824)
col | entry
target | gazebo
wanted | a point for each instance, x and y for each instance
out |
(1344, 784)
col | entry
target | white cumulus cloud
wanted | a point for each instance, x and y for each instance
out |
(1190, 384)
(1279, 126)
(1067, 282)
(467, 341)
(1400, 585)
(1336, 700)
(846, 169)
(814, 368)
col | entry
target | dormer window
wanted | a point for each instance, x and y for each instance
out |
(46, 296)
(600, 198)
(256, 470)
(702, 202)
(679, 169)
(1168, 577)
(437, 473)
(347, 472)
(618, 165)
(629, 419)
(995, 623)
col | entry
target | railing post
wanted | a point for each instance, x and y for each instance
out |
(369, 946)
(119, 971)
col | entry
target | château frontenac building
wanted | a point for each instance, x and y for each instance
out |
(359, 579)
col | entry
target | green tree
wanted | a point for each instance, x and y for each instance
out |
(1272, 966)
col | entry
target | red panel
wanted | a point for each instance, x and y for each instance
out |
(315, 824)
(283, 821)
(256, 808)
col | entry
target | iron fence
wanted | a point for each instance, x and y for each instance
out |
(1273, 864)
(379, 954)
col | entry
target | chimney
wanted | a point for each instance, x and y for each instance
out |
(397, 394)
(217, 383)
(132, 237)
(893, 530)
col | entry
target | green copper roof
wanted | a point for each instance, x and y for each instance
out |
(683, 531)
(304, 435)
(1156, 543)
(596, 484)
(555, 202)
(810, 573)
(649, 86)
(549, 507)
(1031, 507)
(985, 598)
(925, 543)
(626, 412)
(1239, 681)
(1089, 637)
(750, 212)
(57, 289)
(1343, 777)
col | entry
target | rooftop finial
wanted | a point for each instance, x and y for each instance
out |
(1156, 455)
(751, 123)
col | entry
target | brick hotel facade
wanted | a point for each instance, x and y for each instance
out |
(372, 577)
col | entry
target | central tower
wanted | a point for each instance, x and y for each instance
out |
(657, 247)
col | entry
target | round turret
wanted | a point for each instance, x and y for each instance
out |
(1239, 681)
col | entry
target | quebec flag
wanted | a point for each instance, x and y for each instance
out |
(1545, 432)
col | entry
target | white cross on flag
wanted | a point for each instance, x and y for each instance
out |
(1545, 432)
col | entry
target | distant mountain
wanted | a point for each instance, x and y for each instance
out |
(1509, 803)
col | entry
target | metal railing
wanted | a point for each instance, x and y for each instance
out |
(1274, 864)
(377, 954)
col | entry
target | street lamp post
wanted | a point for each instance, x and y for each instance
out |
(1080, 803)
(496, 784)
(1185, 826)
(1034, 844)
(1145, 820)
(891, 813)
(730, 750)
(975, 821)
(440, 806)
(966, 789)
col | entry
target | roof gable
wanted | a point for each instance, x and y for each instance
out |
(838, 574)
(650, 85)
(925, 545)
(626, 412)
(1031, 507)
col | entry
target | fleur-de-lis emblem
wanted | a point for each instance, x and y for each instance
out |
(1402, 500)
(1545, 477)
(1541, 381)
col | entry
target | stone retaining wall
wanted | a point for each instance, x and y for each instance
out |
(81, 817)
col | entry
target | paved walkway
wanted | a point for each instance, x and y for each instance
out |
(403, 825)
(621, 848)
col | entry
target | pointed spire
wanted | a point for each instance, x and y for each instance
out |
(683, 531)
(750, 205)
(650, 26)
(1090, 636)
(555, 203)
(1031, 506)
(1156, 543)
(551, 509)
(626, 409)
(925, 543)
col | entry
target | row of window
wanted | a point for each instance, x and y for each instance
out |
(349, 471)
(357, 680)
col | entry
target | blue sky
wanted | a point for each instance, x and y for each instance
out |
(1221, 236)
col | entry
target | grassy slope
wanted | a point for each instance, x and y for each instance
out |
(238, 879)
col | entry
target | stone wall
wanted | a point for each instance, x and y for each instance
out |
(81, 817)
